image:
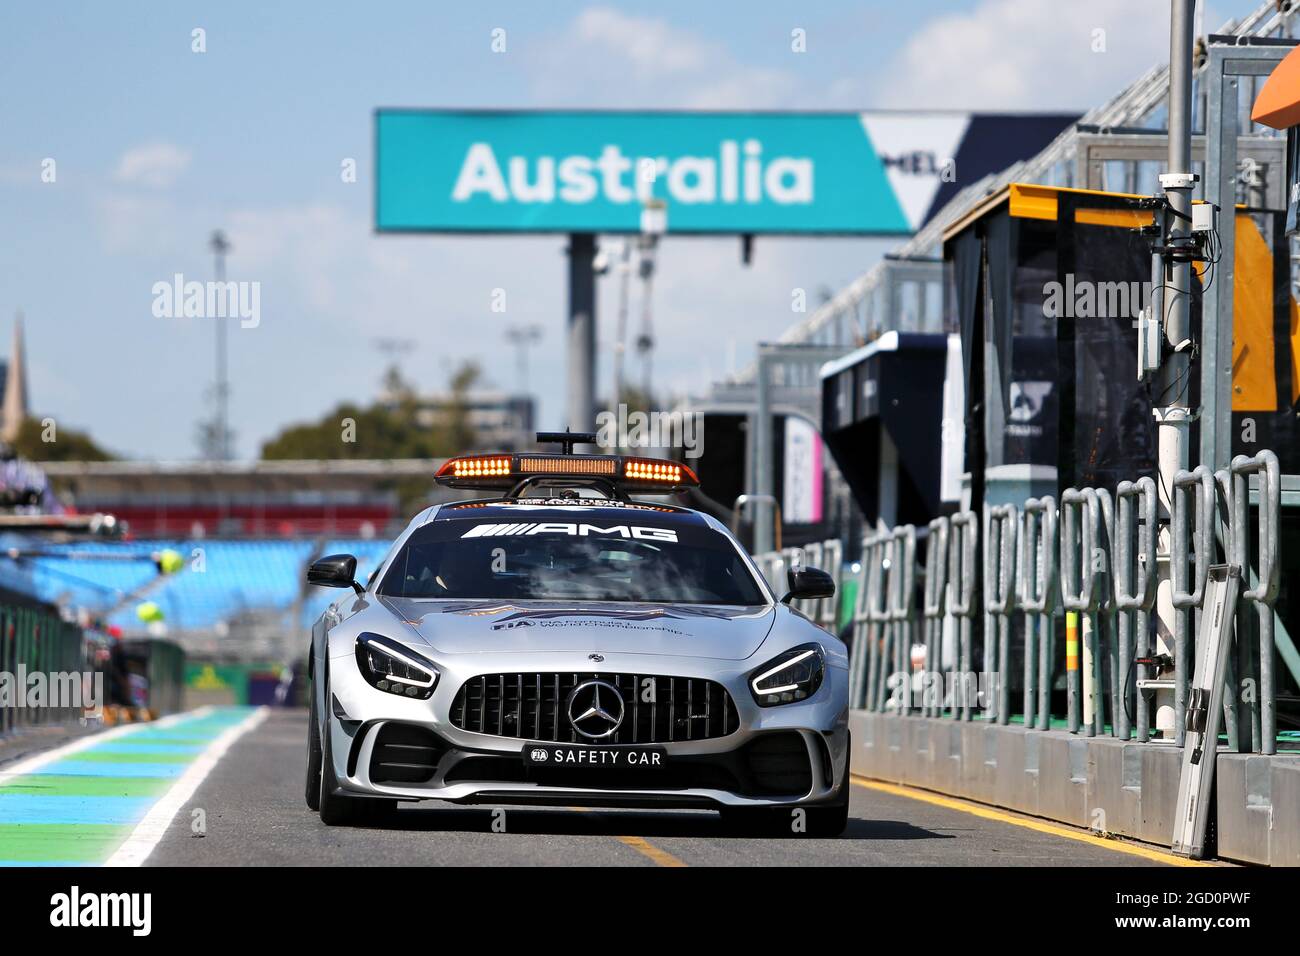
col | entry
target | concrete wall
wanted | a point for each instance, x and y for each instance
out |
(1259, 808)
(1128, 789)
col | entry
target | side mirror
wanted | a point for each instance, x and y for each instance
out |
(807, 584)
(335, 571)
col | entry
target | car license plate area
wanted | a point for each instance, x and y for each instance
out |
(577, 756)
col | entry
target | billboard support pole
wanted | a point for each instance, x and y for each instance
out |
(581, 410)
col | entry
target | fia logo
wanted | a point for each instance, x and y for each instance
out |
(508, 625)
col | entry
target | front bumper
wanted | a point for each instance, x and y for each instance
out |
(794, 754)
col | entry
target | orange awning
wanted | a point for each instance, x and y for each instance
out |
(1278, 104)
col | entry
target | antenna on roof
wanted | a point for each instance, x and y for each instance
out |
(566, 439)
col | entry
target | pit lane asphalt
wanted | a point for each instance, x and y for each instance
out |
(254, 815)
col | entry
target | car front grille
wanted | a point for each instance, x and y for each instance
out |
(534, 706)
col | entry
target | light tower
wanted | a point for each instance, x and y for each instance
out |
(219, 447)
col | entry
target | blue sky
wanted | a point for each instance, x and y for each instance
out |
(156, 145)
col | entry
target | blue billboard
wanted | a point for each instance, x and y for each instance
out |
(709, 172)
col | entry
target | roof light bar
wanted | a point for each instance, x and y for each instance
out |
(648, 475)
(567, 465)
(658, 469)
(488, 466)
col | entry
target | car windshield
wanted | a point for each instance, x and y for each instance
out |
(629, 558)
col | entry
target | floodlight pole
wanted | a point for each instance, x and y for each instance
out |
(1172, 382)
(581, 410)
(220, 246)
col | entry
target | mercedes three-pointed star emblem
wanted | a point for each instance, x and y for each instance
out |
(595, 709)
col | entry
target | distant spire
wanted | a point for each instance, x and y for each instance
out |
(14, 410)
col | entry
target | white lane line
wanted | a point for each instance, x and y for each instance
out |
(32, 764)
(137, 847)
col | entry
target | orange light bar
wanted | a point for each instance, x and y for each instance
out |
(653, 475)
(482, 466)
(568, 465)
(658, 470)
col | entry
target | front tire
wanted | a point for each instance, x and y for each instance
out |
(335, 809)
(313, 752)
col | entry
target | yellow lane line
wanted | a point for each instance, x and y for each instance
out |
(645, 847)
(660, 856)
(988, 813)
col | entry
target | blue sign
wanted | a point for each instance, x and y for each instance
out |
(596, 171)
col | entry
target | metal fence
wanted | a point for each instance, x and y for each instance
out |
(33, 641)
(1078, 575)
(49, 669)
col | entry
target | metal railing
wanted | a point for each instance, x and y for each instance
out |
(1263, 573)
(1038, 598)
(1081, 573)
(34, 641)
(1199, 485)
(933, 605)
(1136, 527)
(999, 601)
(962, 570)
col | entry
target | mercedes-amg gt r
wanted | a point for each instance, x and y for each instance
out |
(565, 643)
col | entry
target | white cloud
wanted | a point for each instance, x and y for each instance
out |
(1028, 54)
(651, 47)
(156, 165)
(606, 57)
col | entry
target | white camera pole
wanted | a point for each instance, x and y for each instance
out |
(1174, 281)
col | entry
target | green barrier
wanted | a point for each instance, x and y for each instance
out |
(225, 683)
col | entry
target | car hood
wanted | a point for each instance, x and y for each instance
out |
(487, 627)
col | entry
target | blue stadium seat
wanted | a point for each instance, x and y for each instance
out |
(220, 578)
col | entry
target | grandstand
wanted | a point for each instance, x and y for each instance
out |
(275, 499)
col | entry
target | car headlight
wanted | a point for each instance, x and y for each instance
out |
(794, 675)
(389, 666)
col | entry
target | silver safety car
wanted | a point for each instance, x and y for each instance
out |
(563, 641)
